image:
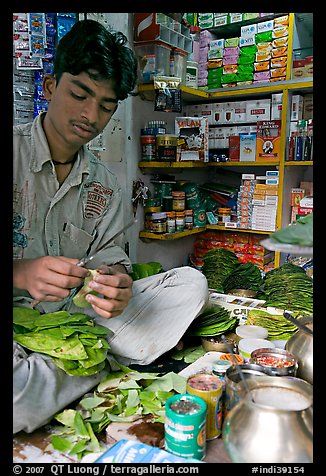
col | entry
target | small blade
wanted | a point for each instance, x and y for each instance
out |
(86, 259)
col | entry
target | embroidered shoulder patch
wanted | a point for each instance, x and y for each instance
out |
(97, 199)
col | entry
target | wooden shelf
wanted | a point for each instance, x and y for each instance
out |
(189, 164)
(298, 162)
(198, 164)
(146, 91)
(195, 230)
(257, 163)
(225, 228)
(171, 236)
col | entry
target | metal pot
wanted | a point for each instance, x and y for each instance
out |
(300, 344)
(273, 423)
(234, 389)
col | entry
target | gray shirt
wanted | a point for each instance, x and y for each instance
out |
(67, 220)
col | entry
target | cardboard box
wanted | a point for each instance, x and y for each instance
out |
(248, 147)
(217, 113)
(268, 140)
(296, 195)
(296, 107)
(258, 110)
(192, 135)
(308, 107)
(234, 148)
(240, 111)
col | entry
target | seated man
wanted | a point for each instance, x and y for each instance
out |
(67, 203)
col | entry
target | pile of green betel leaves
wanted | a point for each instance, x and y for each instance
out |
(75, 343)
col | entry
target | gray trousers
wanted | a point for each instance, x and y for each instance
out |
(161, 309)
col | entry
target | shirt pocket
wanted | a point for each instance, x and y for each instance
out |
(75, 242)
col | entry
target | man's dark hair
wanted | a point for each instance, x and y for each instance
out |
(90, 47)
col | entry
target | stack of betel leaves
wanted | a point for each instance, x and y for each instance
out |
(214, 321)
(290, 288)
(142, 270)
(244, 276)
(278, 326)
(217, 265)
(75, 343)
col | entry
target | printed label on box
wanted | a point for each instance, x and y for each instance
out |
(192, 135)
(268, 140)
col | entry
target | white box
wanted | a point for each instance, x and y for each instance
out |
(247, 40)
(240, 111)
(277, 98)
(265, 26)
(206, 110)
(192, 135)
(276, 111)
(228, 113)
(247, 147)
(220, 140)
(217, 113)
(258, 110)
(296, 107)
(248, 30)
(216, 44)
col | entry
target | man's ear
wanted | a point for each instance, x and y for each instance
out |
(48, 86)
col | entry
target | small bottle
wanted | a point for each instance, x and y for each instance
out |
(159, 222)
(170, 222)
(178, 201)
(189, 219)
(291, 146)
(179, 221)
(219, 368)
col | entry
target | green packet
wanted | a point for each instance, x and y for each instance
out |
(228, 78)
(245, 68)
(247, 59)
(248, 50)
(230, 42)
(245, 76)
(264, 36)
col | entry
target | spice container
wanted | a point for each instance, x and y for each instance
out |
(178, 201)
(209, 388)
(276, 362)
(148, 147)
(189, 219)
(185, 426)
(248, 345)
(219, 368)
(159, 222)
(170, 222)
(179, 221)
(166, 147)
(167, 203)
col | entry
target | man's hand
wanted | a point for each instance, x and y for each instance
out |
(116, 287)
(49, 278)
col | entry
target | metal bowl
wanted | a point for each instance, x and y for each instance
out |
(243, 293)
(282, 356)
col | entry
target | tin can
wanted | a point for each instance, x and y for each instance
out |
(185, 426)
(148, 147)
(209, 388)
(166, 147)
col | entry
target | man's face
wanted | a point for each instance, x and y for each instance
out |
(79, 108)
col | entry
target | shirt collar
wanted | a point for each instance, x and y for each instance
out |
(40, 152)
